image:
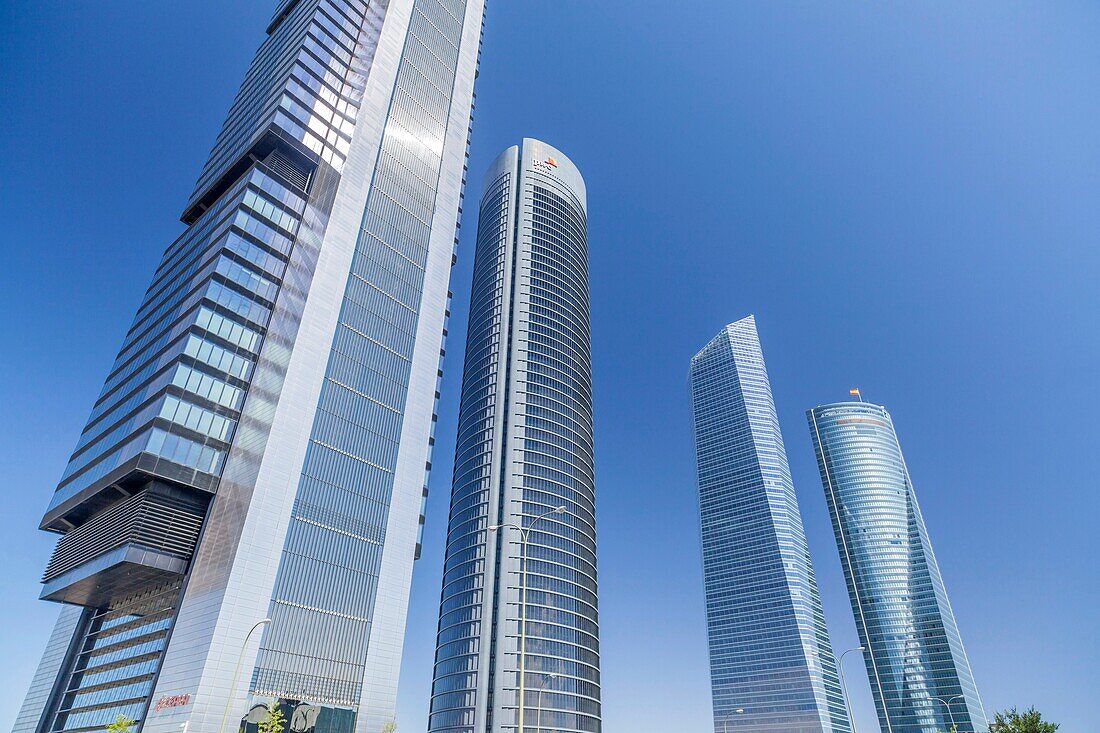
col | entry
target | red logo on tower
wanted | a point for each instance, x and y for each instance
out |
(171, 701)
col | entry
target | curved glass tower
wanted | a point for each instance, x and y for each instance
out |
(524, 449)
(259, 446)
(920, 676)
(771, 664)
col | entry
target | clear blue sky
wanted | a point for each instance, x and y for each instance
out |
(907, 195)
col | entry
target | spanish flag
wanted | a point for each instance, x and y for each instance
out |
(855, 393)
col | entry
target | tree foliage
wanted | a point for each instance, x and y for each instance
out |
(122, 724)
(1029, 721)
(276, 721)
(390, 727)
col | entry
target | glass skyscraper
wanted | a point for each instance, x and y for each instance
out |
(771, 663)
(260, 446)
(920, 676)
(524, 450)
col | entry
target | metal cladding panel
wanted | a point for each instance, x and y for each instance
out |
(772, 665)
(120, 573)
(378, 699)
(920, 676)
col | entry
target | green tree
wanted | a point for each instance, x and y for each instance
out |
(1029, 721)
(390, 727)
(276, 721)
(122, 724)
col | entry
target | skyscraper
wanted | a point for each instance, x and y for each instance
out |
(260, 445)
(771, 663)
(920, 676)
(524, 451)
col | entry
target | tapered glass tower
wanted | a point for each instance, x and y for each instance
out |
(920, 676)
(524, 450)
(771, 664)
(259, 447)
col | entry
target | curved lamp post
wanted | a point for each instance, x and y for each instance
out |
(950, 713)
(542, 688)
(843, 689)
(524, 534)
(726, 719)
(237, 671)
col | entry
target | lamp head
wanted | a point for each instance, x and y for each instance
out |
(560, 510)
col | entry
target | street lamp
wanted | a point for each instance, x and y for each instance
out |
(538, 715)
(726, 719)
(843, 690)
(947, 704)
(524, 534)
(237, 671)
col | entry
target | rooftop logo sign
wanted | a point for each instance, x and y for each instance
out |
(545, 166)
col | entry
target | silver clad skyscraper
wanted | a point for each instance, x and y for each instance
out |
(771, 664)
(524, 451)
(920, 676)
(260, 444)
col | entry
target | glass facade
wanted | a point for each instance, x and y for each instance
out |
(920, 676)
(524, 449)
(118, 656)
(260, 445)
(772, 666)
(173, 397)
